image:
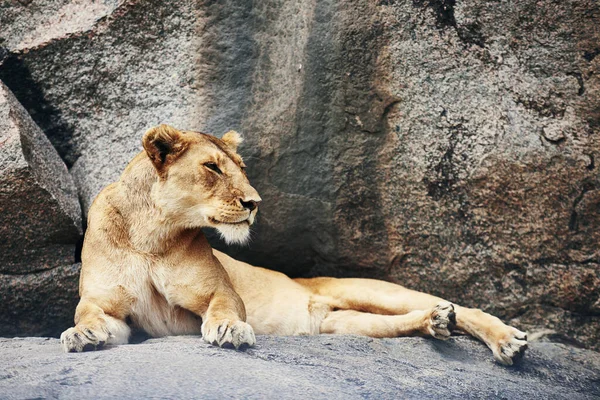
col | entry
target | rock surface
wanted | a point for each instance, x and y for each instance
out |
(448, 146)
(330, 367)
(27, 24)
(41, 216)
(40, 303)
(41, 224)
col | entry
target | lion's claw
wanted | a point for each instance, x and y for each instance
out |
(511, 349)
(228, 334)
(75, 340)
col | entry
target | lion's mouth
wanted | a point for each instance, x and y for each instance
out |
(216, 221)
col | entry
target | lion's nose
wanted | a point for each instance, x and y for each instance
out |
(250, 205)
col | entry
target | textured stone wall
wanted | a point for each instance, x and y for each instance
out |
(450, 146)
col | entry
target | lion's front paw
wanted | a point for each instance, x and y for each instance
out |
(442, 320)
(79, 339)
(511, 348)
(226, 333)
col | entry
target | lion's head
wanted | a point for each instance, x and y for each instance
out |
(201, 181)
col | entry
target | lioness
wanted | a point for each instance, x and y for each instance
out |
(147, 264)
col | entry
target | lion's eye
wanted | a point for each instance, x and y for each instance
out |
(213, 166)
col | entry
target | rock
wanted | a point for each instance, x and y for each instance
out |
(296, 367)
(41, 225)
(553, 133)
(39, 304)
(41, 216)
(448, 146)
(50, 20)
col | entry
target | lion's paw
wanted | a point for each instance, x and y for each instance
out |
(511, 348)
(226, 333)
(442, 320)
(78, 339)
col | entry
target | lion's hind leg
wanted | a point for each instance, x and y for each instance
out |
(94, 329)
(508, 344)
(437, 322)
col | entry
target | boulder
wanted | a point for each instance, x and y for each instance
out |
(41, 226)
(448, 146)
(29, 23)
(315, 367)
(38, 200)
(40, 303)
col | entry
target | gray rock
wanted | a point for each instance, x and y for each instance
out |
(448, 146)
(39, 304)
(29, 23)
(40, 212)
(41, 224)
(321, 367)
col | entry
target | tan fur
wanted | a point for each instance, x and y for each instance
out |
(146, 260)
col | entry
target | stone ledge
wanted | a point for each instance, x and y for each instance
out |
(332, 367)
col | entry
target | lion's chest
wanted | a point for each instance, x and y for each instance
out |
(150, 309)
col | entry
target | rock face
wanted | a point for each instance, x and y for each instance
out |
(296, 367)
(41, 224)
(39, 304)
(448, 146)
(38, 200)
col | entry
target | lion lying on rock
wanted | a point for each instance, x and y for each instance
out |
(146, 264)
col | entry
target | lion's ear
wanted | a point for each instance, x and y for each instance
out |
(232, 139)
(163, 144)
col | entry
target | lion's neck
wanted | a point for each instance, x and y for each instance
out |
(149, 231)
